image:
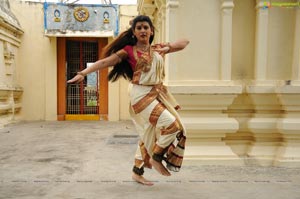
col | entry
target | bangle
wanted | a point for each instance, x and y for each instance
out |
(80, 73)
(168, 45)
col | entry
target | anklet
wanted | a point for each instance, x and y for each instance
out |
(138, 171)
(158, 157)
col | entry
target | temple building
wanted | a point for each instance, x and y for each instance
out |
(238, 81)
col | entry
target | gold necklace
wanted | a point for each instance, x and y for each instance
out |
(143, 48)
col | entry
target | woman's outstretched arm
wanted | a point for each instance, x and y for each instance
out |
(177, 45)
(171, 47)
(102, 63)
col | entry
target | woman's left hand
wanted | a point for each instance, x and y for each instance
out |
(161, 49)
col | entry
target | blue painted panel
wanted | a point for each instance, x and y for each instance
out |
(61, 17)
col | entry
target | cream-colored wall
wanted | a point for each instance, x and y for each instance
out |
(118, 91)
(200, 23)
(280, 45)
(127, 13)
(37, 66)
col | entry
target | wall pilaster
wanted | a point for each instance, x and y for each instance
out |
(226, 39)
(171, 26)
(160, 21)
(289, 124)
(296, 51)
(261, 40)
(10, 91)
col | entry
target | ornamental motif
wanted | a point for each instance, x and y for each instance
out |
(57, 15)
(81, 14)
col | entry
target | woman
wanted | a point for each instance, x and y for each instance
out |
(152, 108)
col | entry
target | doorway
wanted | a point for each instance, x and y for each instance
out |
(86, 100)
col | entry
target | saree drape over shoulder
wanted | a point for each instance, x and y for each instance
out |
(153, 111)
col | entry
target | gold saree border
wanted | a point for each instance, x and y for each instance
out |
(145, 101)
(138, 163)
(173, 128)
(158, 150)
(145, 155)
(175, 160)
(136, 77)
(156, 112)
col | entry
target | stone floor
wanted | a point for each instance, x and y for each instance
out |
(91, 160)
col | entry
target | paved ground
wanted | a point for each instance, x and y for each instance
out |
(91, 160)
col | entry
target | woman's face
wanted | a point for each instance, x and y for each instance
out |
(143, 31)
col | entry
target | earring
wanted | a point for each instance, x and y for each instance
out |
(132, 36)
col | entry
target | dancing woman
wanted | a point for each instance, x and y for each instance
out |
(152, 107)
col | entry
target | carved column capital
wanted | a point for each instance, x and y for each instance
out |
(148, 10)
(172, 4)
(260, 4)
(160, 3)
(227, 4)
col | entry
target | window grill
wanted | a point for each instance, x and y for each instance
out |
(82, 98)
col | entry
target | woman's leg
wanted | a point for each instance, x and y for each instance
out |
(169, 128)
(138, 171)
(159, 117)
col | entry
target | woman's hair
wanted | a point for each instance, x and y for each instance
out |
(126, 38)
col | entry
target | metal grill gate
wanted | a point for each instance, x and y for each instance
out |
(82, 98)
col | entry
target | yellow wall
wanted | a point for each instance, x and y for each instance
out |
(244, 38)
(127, 14)
(36, 64)
(10, 89)
(280, 45)
(202, 29)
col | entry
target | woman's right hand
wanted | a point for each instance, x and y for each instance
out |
(77, 79)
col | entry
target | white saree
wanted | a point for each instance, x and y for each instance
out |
(153, 111)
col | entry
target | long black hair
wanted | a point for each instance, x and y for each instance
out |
(126, 38)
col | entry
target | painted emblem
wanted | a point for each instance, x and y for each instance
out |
(105, 17)
(57, 15)
(81, 14)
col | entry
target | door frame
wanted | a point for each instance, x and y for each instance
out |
(61, 81)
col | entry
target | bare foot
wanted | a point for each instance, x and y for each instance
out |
(141, 179)
(160, 167)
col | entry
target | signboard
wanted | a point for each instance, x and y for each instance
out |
(66, 19)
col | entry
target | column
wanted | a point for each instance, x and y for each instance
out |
(289, 124)
(160, 21)
(226, 39)
(171, 7)
(261, 40)
(171, 25)
(296, 53)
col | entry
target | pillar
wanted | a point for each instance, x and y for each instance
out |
(296, 53)
(226, 39)
(261, 40)
(171, 27)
